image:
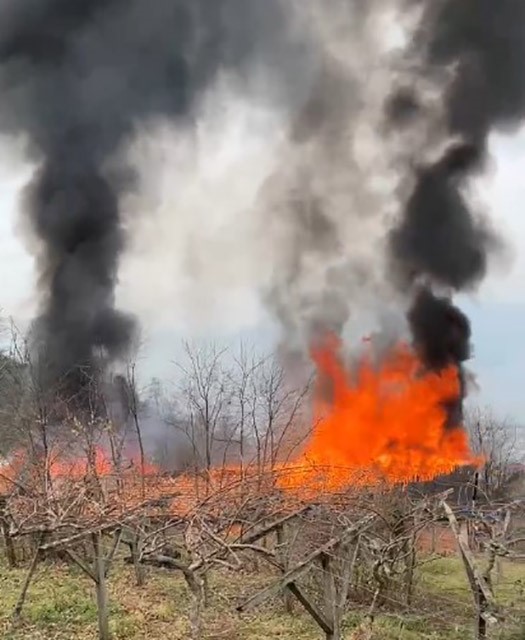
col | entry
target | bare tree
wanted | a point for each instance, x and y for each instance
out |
(205, 401)
(12, 382)
(496, 440)
(246, 366)
(239, 406)
(278, 414)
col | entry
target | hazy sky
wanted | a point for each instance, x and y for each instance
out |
(170, 308)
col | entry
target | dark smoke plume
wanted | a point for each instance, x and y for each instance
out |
(441, 238)
(77, 78)
(440, 331)
(441, 336)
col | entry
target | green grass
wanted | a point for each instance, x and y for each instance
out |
(446, 576)
(61, 606)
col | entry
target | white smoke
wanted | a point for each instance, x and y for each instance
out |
(196, 252)
(223, 220)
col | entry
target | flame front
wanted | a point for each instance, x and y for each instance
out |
(377, 424)
(385, 422)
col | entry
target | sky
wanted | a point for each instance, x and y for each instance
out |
(170, 308)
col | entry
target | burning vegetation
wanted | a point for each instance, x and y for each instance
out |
(367, 204)
(387, 423)
(382, 423)
(78, 86)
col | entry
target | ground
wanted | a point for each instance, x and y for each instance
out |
(61, 606)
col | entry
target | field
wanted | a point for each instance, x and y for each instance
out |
(61, 606)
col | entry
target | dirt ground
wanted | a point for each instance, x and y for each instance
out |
(438, 539)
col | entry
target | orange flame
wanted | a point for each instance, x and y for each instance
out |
(101, 464)
(379, 424)
(384, 423)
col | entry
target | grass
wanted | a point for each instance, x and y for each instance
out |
(61, 606)
(446, 576)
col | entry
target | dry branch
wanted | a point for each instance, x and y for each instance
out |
(481, 590)
(351, 533)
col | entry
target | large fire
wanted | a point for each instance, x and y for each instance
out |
(380, 423)
(384, 423)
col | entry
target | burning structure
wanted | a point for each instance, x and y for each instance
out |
(79, 80)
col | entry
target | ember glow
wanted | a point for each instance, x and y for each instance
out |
(382, 422)
(101, 463)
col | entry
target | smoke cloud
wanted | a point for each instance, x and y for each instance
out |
(328, 200)
(386, 109)
(77, 80)
(474, 51)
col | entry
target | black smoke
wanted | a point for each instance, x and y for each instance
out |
(77, 79)
(441, 335)
(441, 238)
(441, 332)
(439, 235)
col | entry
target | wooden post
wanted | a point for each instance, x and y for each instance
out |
(411, 561)
(481, 606)
(283, 559)
(330, 597)
(480, 587)
(140, 572)
(310, 607)
(101, 587)
(328, 619)
(471, 533)
(8, 540)
(9, 545)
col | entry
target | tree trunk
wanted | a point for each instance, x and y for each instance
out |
(197, 588)
(205, 591)
(196, 615)
(140, 571)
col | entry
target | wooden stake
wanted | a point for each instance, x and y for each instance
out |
(101, 587)
(283, 559)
